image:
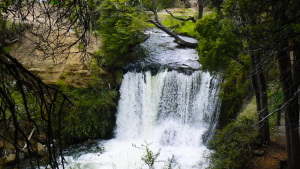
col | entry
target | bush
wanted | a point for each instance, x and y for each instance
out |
(121, 27)
(233, 144)
(92, 115)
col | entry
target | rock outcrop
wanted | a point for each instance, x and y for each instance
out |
(70, 66)
(10, 158)
(40, 149)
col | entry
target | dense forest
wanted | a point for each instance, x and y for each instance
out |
(253, 45)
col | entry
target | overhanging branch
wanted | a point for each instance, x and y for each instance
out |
(177, 40)
(181, 19)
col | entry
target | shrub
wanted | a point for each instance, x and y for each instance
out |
(92, 115)
(233, 144)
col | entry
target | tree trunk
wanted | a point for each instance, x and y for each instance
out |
(217, 4)
(291, 111)
(200, 9)
(255, 85)
(264, 127)
(278, 116)
(296, 66)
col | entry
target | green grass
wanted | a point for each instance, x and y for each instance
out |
(179, 27)
(249, 111)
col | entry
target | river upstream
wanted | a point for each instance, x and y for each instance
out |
(167, 103)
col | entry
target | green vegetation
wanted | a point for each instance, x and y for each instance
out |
(92, 115)
(121, 27)
(179, 27)
(217, 46)
(150, 157)
(241, 40)
(217, 43)
(250, 39)
(54, 2)
(233, 144)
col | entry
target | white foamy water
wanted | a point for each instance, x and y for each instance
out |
(171, 110)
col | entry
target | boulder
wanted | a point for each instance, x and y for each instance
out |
(10, 158)
(40, 149)
(41, 138)
(258, 152)
(283, 163)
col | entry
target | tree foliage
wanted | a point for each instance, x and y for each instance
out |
(267, 31)
(121, 26)
(92, 115)
(217, 43)
(25, 99)
(233, 144)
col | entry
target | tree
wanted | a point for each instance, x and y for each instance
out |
(121, 27)
(272, 31)
(269, 31)
(200, 9)
(219, 43)
(24, 97)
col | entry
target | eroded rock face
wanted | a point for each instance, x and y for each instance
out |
(50, 47)
(71, 66)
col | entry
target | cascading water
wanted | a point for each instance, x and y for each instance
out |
(169, 109)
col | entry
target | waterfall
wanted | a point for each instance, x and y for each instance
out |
(164, 100)
(171, 110)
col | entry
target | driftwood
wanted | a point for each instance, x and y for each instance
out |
(25, 146)
(181, 19)
(177, 40)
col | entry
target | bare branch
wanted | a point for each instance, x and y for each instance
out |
(181, 19)
(296, 94)
(178, 40)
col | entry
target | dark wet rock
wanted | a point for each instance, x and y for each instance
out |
(283, 163)
(258, 152)
(154, 55)
(41, 138)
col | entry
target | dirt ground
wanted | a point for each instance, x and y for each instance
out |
(274, 153)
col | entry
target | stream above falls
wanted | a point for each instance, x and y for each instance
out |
(160, 52)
